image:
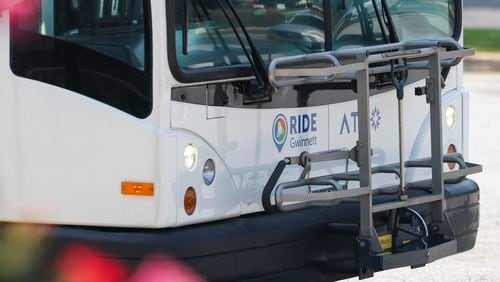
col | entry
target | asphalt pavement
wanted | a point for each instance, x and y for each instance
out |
(483, 262)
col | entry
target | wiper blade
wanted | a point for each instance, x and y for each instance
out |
(259, 68)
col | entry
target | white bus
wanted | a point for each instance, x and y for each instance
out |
(255, 140)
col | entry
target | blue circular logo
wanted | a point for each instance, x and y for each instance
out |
(280, 131)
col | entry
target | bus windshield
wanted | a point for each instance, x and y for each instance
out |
(293, 27)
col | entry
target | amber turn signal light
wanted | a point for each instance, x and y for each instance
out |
(138, 189)
(190, 201)
(452, 149)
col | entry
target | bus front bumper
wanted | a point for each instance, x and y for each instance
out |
(295, 246)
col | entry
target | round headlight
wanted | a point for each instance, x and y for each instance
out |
(209, 172)
(190, 156)
(451, 117)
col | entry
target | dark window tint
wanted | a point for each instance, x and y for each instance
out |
(98, 48)
(278, 28)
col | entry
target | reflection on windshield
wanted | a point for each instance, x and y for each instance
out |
(278, 28)
(292, 27)
(435, 18)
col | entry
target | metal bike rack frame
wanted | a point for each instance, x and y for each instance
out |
(358, 65)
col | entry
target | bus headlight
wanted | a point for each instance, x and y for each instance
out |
(190, 156)
(209, 172)
(451, 117)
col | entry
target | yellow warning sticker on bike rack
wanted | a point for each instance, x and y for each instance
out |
(385, 241)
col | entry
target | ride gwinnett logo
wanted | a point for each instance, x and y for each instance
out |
(298, 131)
(280, 131)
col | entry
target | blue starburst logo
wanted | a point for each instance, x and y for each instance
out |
(375, 118)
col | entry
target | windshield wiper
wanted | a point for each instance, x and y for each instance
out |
(380, 22)
(385, 22)
(389, 23)
(259, 68)
(225, 48)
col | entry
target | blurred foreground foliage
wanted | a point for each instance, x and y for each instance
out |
(20, 249)
(28, 253)
(483, 40)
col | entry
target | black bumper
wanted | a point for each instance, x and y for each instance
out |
(295, 246)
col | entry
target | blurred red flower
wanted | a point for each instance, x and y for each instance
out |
(7, 4)
(160, 268)
(79, 263)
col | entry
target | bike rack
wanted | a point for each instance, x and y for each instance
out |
(357, 65)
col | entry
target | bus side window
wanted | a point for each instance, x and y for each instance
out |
(97, 48)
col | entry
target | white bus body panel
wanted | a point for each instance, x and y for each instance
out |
(68, 157)
(244, 138)
(64, 156)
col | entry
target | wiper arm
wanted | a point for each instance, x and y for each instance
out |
(185, 27)
(232, 58)
(389, 23)
(380, 21)
(259, 68)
